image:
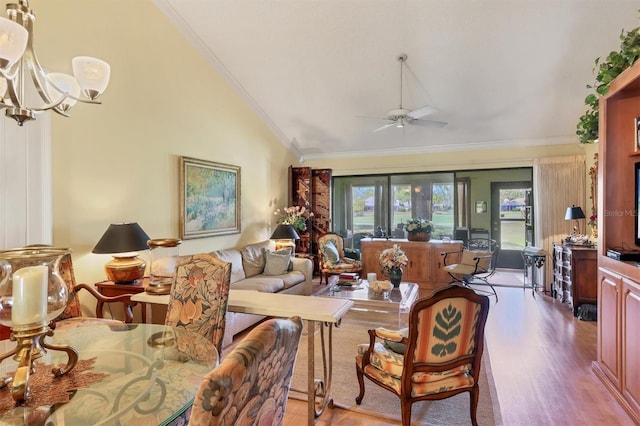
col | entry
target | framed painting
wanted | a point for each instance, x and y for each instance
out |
(209, 198)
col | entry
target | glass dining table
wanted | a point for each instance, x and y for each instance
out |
(134, 374)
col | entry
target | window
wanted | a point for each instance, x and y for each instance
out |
(365, 205)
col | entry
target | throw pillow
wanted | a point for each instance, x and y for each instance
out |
(397, 347)
(253, 257)
(277, 262)
(330, 253)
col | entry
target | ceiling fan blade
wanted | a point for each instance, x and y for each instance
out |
(428, 123)
(393, 123)
(422, 111)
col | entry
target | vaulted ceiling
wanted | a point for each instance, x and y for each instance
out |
(322, 73)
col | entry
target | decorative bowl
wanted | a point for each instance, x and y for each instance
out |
(379, 287)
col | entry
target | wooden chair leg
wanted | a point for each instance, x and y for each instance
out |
(474, 395)
(360, 375)
(406, 412)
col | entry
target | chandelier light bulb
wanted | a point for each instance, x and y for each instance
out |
(13, 41)
(18, 61)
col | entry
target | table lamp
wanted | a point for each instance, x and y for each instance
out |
(285, 236)
(575, 213)
(123, 240)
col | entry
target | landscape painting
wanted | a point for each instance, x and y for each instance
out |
(209, 198)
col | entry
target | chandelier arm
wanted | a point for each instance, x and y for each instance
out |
(21, 89)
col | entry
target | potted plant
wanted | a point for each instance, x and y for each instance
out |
(605, 72)
(418, 229)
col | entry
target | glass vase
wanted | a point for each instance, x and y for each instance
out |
(395, 276)
(32, 292)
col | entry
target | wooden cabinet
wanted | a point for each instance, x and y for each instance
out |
(575, 271)
(425, 260)
(618, 349)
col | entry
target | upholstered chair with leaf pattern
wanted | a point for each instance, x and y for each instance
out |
(251, 385)
(438, 357)
(199, 296)
(332, 258)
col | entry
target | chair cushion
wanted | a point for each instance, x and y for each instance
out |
(260, 283)
(459, 268)
(433, 383)
(397, 347)
(277, 263)
(391, 364)
(330, 253)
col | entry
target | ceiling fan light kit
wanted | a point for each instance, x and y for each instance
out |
(402, 116)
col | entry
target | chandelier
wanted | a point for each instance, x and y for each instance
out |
(23, 79)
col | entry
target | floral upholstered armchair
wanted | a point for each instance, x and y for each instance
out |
(199, 296)
(438, 357)
(332, 258)
(251, 385)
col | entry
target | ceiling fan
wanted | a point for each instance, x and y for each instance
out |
(402, 116)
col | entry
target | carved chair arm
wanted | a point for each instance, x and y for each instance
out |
(102, 299)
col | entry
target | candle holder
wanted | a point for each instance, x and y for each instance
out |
(32, 294)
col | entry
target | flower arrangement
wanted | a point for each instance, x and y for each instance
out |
(295, 216)
(392, 257)
(593, 220)
(418, 225)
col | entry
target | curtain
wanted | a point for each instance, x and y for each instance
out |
(558, 182)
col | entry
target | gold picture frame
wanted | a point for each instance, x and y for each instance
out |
(209, 198)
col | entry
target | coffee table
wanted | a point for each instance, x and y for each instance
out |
(397, 300)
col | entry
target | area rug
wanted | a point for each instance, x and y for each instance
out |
(379, 402)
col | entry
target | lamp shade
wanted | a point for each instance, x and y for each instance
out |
(285, 232)
(574, 212)
(122, 238)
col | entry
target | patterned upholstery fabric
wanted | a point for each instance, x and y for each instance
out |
(72, 314)
(199, 295)
(344, 264)
(251, 385)
(73, 309)
(443, 350)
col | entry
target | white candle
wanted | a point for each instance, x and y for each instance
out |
(30, 295)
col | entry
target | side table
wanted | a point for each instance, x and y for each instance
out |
(111, 289)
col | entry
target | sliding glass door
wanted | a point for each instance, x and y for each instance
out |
(374, 205)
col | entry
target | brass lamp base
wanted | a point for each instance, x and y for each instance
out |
(125, 269)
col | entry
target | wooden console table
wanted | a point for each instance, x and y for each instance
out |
(425, 259)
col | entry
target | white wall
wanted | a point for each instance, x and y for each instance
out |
(119, 161)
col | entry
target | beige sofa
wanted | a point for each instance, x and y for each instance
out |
(248, 273)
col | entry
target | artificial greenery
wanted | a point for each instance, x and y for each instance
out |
(605, 71)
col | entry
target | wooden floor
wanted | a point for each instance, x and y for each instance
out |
(541, 363)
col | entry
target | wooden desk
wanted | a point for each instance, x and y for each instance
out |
(152, 374)
(316, 311)
(111, 289)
